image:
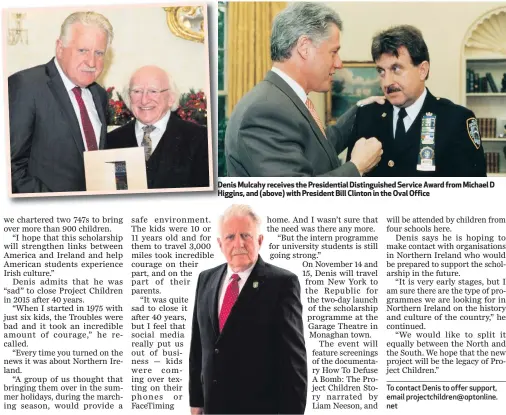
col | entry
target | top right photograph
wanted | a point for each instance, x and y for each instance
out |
(361, 89)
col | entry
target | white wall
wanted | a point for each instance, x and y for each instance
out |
(443, 25)
(141, 37)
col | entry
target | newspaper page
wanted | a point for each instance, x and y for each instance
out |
(401, 310)
(400, 283)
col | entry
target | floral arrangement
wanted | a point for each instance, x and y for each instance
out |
(117, 111)
(193, 107)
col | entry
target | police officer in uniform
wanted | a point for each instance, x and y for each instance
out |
(421, 135)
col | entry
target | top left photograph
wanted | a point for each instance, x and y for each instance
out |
(108, 100)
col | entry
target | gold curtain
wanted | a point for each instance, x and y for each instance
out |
(248, 45)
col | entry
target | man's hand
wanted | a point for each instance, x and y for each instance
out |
(370, 100)
(366, 154)
(196, 411)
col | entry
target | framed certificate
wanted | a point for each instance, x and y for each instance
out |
(115, 170)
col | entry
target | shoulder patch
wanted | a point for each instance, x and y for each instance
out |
(473, 131)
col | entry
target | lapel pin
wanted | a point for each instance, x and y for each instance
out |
(384, 114)
(255, 284)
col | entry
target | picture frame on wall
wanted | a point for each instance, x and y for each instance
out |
(355, 81)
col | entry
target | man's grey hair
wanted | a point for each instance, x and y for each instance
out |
(173, 90)
(87, 19)
(240, 211)
(301, 19)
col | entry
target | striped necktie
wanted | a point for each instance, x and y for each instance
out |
(310, 107)
(146, 141)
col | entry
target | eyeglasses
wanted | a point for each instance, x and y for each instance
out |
(152, 93)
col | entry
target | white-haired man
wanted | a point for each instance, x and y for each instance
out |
(247, 352)
(275, 130)
(57, 111)
(176, 151)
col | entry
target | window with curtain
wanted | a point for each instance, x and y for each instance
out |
(222, 90)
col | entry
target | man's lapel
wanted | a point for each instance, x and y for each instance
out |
(276, 80)
(170, 142)
(382, 125)
(247, 294)
(384, 122)
(214, 290)
(57, 88)
(101, 114)
(129, 137)
(252, 286)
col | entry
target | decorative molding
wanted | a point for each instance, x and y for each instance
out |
(489, 32)
(17, 34)
(186, 22)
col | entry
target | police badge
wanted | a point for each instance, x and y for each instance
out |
(474, 132)
(427, 153)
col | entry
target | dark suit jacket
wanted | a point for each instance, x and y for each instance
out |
(180, 159)
(46, 142)
(257, 364)
(455, 152)
(272, 133)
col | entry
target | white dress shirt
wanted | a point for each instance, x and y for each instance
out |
(293, 84)
(88, 102)
(412, 112)
(156, 135)
(244, 275)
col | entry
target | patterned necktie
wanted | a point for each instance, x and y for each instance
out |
(400, 130)
(89, 132)
(146, 141)
(310, 107)
(231, 295)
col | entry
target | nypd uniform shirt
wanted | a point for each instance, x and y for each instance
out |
(456, 150)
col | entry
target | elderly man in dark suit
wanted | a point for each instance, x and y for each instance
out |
(275, 129)
(247, 351)
(57, 111)
(422, 135)
(176, 151)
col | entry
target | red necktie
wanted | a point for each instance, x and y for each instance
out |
(89, 133)
(231, 295)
